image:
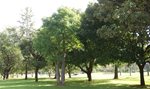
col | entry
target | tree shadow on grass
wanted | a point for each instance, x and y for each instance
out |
(70, 84)
(98, 84)
(141, 87)
(26, 84)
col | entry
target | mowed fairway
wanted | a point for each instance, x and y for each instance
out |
(125, 82)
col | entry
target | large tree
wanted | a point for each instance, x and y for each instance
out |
(108, 31)
(58, 37)
(134, 22)
(94, 46)
(129, 22)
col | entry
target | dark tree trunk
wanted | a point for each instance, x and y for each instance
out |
(141, 67)
(4, 75)
(69, 70)
(54, 70)
(63, 71)
(36, 74)
(69, 73)
(147, 68)
(147, 72)
(57, 73)
(26, 71)
(88, 70)
(89, 76)
(7, 74)
(54, 76)
(116, 72)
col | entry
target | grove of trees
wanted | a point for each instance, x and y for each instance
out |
(108, 32)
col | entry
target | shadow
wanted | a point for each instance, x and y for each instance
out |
(25, 84)
(70, 84)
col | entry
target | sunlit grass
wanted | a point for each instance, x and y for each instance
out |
(129, 82)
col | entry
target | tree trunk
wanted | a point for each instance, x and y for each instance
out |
(54, 76)
(116, 72)
(147, 72)
(88, 70)
(4, 75)
(69, 70)
(63, 71)
(26, 71)
(36, 74)
(142, 81)
(130, 70)
(57, 73)
(120, 72)
(89, 76)
(69, 73)
(49, 74)
(7, 74)
(147, 68)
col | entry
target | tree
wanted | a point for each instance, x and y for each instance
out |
(25, 50)
(130, 24)
(95, 46)
(26, 24)
(10, 55)
(59, 32)
(38, 61)
(26, 34)
(134, 24)
(70, 66)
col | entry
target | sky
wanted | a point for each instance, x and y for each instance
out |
(10, 10)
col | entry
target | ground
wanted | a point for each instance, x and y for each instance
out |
(100, 81)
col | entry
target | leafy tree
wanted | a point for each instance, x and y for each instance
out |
(58, 37)
(128, 25)
(109, 32)
(10, 55)
(94, 50)
(134, 24)
(70, 66)
(33, 58)
(38, 61)
(25, 50)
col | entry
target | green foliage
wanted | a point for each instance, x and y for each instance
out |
(10, 54)
(58, 33)
(126, 22)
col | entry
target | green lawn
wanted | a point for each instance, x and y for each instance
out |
(74, 83)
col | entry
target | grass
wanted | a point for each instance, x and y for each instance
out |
(75, 83)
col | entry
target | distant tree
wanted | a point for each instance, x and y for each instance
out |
(26, 34)
(10, 55)
(147, 68)
(26, 24)
(25, 50)
(38, 61)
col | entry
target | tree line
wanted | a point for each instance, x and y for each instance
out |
(109, 31)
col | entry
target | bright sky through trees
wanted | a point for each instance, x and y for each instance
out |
(10, 10)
